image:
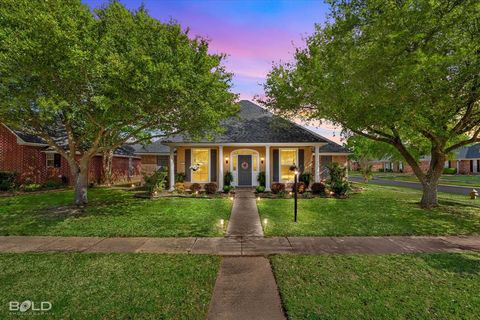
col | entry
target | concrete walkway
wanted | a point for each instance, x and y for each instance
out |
(245, 286)
(243, 246)
(245, 289)
(244, 220)
(416, 185)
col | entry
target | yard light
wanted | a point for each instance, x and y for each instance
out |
(196, 192)
(155, 193)
(133, 185)
(222, 222)
(473, 194)
(295, 170)
(231, 198)
(265, 221)
(258, 198)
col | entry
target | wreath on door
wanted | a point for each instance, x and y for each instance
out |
(244, 165)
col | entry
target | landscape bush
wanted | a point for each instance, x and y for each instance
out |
(227, 189)
(227, 178)
(31, 187)
(8, 180)
(306, 178)
(260, 189)
(338, 179)
(211, 188)
(301, 187)
(318, 188)
(156, 182)
(278, 187)
(261, 178)
(450, 171)
(195, 187)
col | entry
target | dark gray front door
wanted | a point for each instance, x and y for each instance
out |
(244, 170)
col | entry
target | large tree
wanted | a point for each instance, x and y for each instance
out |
(89, 81)
(405, 73)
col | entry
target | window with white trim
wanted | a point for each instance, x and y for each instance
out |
(288, 157)
(54, 160)
(201, 161)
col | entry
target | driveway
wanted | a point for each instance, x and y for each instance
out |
(415, 185)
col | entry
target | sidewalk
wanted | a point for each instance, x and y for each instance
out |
(243, 246)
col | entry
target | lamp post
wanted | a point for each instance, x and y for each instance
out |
(294, 168)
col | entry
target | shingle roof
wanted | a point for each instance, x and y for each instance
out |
(154, 148)
(333, 147)
(468, 152)
(29, 138)
(253, 124)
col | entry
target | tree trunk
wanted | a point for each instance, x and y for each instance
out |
(429, 196)
(107, 167)
(81, 185)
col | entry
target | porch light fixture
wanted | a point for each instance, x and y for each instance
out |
(226, 160)
(262, 159)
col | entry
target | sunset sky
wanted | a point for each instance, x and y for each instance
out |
(253, 33)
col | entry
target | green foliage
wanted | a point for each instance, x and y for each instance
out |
(338, 181)
(260, 189)
(449, 170)
(156, 182)
(301, 187)
(105, 76)
(306, 177)
(31, 187)
(227, 178)
(52, 184)
(261, 178)
(180, 177)
(8, 180)
(227, 189)
(400, 72)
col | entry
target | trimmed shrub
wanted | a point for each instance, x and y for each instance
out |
(195, 187)
(210, 188)
(52, 184)
(306, 178)
(338, 179)
(180, 177)
(318, 188)
(449, 170)
(227, 189)
(301, 187)
(7, 180)
(261, 179)
(32, 187)
(227, 178)
(381, 170)
(179, 187)
(260, 189)
(278, 187)
(156, 182)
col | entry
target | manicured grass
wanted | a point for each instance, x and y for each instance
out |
(379, 210)
(111, 212)
(459, 180)
(108, 286)
(424, 286)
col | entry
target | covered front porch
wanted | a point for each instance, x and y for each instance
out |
(205, 163)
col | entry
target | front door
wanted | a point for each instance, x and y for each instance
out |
(244, 170)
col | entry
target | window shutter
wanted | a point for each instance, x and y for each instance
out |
(188, 160)
(213, 165)
(276, 163)
(57, 160)
(301, 160)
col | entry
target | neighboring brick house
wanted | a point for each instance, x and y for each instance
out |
(154, 156)
(35, 161)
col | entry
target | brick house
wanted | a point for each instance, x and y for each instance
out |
(35, 161)
(253, 141)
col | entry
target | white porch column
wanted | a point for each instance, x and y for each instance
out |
(267, 168)
(171, 169)
(220, 168)
(317, 164)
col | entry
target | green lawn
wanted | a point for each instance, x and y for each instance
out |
(379, 210)
(111, 212)
(453, 180)
(109, 286)
(424, 286)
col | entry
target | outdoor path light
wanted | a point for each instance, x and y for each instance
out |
(294, 168)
